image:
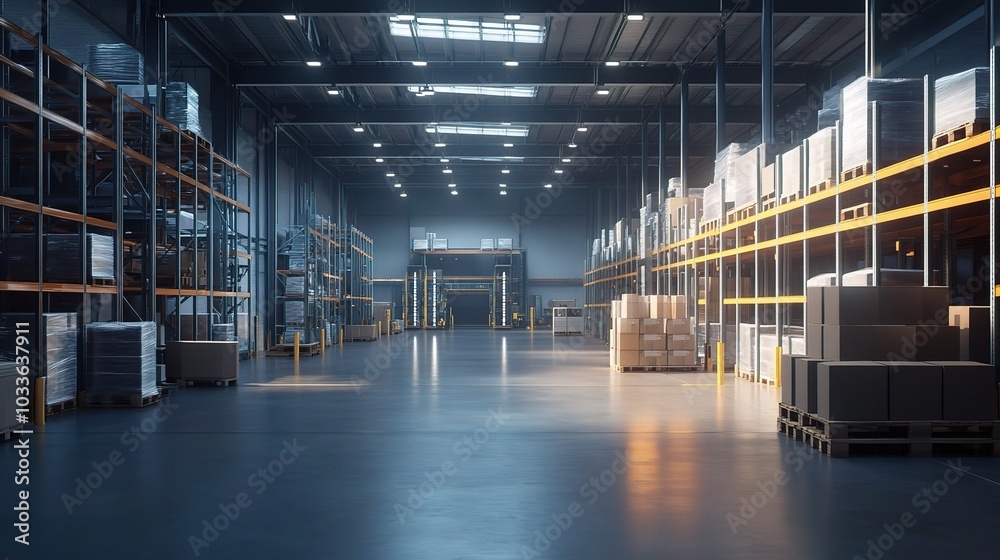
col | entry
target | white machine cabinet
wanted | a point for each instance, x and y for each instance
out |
(567, 320)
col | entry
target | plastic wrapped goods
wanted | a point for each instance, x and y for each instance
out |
(62, 258)
(712, 208)
(674, 187)
(57, 357)
(725, 165)
(182, 106)
(960, 99)
(243, 330)
(295, 285)
(791, 172)
(826, 118)
(117, 63)
(747, 174)
(822, 157)
(224, 332)
(900, 123)
(295, 312)
(121, 358)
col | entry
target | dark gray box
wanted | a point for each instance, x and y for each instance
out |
(901, 305)
(914, 391)
(852, 391)
(845, 343)
(969, 391)
(935, 300)
(814, 341)
(851, 305)
(814, 305)
(937, 343)
(805, 383)
(788, 378)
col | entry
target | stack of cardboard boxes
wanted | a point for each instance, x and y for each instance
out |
(651, 331)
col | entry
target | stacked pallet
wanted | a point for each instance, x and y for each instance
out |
(879, 357)
(651, 333)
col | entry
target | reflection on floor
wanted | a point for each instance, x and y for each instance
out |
(480, 444)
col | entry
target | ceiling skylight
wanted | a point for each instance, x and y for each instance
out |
(482, 130)
(465, 30)
(515, 159)
(496, 91)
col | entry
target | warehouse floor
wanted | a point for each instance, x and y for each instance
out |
(480, 444)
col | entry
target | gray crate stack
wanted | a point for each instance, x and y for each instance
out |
(885, 353)
(182, 106)
(961, 99)
(295, 312)
(900, 123)
(121, 359)
(748, 173)
(725, 166)
(830, 113)
(117, 63)
(791, 173)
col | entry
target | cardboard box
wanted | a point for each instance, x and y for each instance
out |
(901, 305)
(613, 338)
(974, 331)
(936, 303)
(677, 326)
(681, 342)
(936, 342)
(851, 305)
(632, 298)
(968, 391)
(653, 357)
(788, 378)
(629, 358)
(652, 342)
(678, 307)
(914, 391)
(852, 391)
(814, 305)
(616, 309)
(627, 326)
(682, 358)
(805, 383)
(843, 343)
(635, 310)
(651, 326)
(659, 307)
(628, 342)
(202, 359)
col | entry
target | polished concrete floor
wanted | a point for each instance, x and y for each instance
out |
(478, 445)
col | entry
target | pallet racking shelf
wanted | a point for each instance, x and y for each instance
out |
(913, 214)
(80, 158)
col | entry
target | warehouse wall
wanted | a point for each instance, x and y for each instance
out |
(554, 236)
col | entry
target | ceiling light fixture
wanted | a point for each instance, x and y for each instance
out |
(635, 17)
(289, 17)
(313, 63)
(503, 185)
(377, 145)
(548, 185)
(446, 170)
(452, 185)
(581, 129)
(559, 171)
(379, 160)
(505, 171)
(440, 145)
(508, 145)
(402, 195)
(390, 174)
(603, 91)
(572, 144)
(454, 192)
(430, 129)
(503, 193)
(511, 63)
(420, 63)
(565, 160)
(358, 127)
(612, 63)
(406, 17)
(512, 17)
(333, 90)
(445, 160)
(398, 185)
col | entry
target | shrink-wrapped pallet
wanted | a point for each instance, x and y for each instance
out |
(117, 63)
(712, 208)
(791, 172)
(900, 121)
(121, 358)
(182, 106)
(822, 157)
(961, 99)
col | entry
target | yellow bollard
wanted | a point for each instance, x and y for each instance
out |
(322, 341)
(379, 335)
(720, 363)
(531, 319)
(341, 336)
(295, 350)
(777, 367)
(388, 322)
(39, 401)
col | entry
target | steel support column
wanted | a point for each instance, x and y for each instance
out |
(873, 39)
(685, 135)
(994, 24)
(720, 90)
(767, 71)
(661, 163)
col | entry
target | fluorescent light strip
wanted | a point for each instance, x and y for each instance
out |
(493, 91)
(465, 30)
(482, 130)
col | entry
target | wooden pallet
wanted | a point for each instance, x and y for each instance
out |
(286, 350)
(64, 406)
(790, 198)
(710, 226)
(855, 212)
(967, 130)
(856, 172)
(828, 184)
(654, 369)
(115, 400)
(768, 203)
(102, 281)
(205, 381)
(790, 414)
